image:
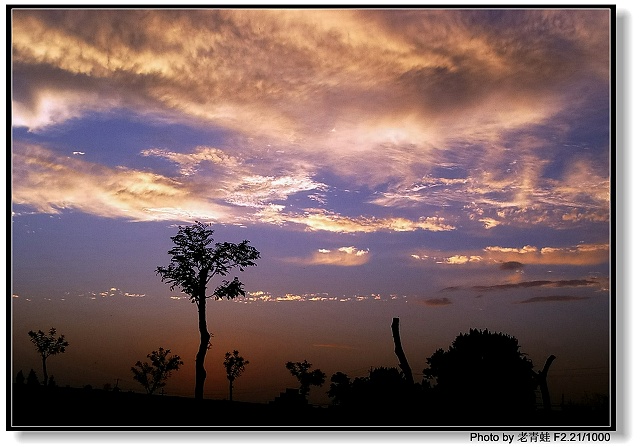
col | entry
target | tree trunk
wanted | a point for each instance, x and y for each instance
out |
(230, 390)
(404, 364)
(542, 381)
(45, 381)
(205, 337)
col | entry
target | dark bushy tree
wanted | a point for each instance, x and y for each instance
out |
(340, 389)
(32, 378)
(154, 376)
(483, 375)
(306, 377)
(194, 262)
(381, 388)
(48, 345)
(234, 366)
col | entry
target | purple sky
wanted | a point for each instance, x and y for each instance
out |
(448, 167)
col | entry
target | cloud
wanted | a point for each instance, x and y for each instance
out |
(262, 296)
(541, 283)
(522, 196)
(552, 298)
(112, 292)
(375, 95)
(435, 302)
(189, 161)
(316, 219)
(581, 254)
(343, 256)
(50, 183)
(514, 257)
(511, 265)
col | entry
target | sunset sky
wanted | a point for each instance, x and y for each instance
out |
(450, 167)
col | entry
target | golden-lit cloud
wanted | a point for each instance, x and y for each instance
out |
(582, 254)
(359, 73)
(263, 296)
(318, 219)
(49, 183)
(343, 256)
(381, 97)
(514, 258)
(189, 161)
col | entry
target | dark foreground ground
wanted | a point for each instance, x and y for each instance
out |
(37, 408)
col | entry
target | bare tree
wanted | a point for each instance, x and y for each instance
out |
(234, 366)
(153, 376)
(404, 363)
(48, 345)
(194, 262)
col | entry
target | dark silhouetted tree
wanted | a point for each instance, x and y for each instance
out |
(306, 377)
(32, 378)
(402, 359)
(541, 379)
(382, 388)
(340, 388)
(194, 262)
(234, 366)
(154, 376)
(48, 345)
(483, 375)
(20, 378)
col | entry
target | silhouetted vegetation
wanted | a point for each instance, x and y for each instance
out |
(48, 345)
(32, 378)
(483, 375)
(234, 366)
(384, 388)
(154, 376)
(399, 351)
(481, 380)
(194, 262)
(306, 377)
(541, 379)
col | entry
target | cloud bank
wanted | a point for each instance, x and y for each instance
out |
(466, 111)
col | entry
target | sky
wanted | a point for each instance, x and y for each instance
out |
(450, 167)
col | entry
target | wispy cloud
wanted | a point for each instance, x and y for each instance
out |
(263, 296)
(50, 183)
(318, 219)
(553, 299)
(190, 161)
(541, 283)
(436, 302)
(343, 256)
(514, 258)
(377, 96)
(511, 265)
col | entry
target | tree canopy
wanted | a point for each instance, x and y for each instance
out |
(154, 376)
(195, 260)
(234, 365)
(48, 345)
(306, 377)
(483, 371)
